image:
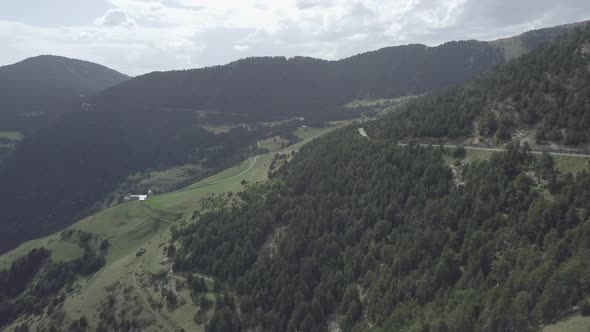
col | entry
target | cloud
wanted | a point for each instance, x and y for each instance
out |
(241, 48)
(306, 4)
(115, 17)
(358, 37)
(137, 36)
(360, 10)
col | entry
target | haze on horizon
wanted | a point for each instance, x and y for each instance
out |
(136, 37)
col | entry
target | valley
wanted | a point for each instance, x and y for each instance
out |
(145, 226)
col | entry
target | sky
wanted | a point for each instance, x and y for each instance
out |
(140, 36)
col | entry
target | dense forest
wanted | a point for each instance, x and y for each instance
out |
(548, 90)
(370, 235)
(308, 87)
(378, 237)
(33, 90)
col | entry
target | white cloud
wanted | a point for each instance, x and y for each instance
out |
(115, 17)
(306, 4)
(136, 36)
(241, 48)
(358, 37)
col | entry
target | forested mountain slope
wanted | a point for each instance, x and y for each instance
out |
(361, 234)
(281, 87)
(372, 236)
(49, 84)
(68, 158)
(547, 90)
(369, 235)
(300, 86)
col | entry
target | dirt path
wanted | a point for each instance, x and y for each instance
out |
(204, 184)
(500, 150)
(363, 133)
(237, 176)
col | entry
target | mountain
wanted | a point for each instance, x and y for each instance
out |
(62, 171)
(541, 97)
(279, 87)
(349, 233)
(369, 236)
(362, 234)
(50, 84)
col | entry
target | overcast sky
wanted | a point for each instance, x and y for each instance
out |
(139, 36)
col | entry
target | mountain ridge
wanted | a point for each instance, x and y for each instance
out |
(48, 85)
(310, 87)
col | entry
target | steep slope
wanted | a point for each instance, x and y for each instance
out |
(49, 84)
(126, 281)
(544, 93)
(281, 87)
(517, 46)
(368, 235)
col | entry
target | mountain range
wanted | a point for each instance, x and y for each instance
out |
(279, 87)
(361, 229)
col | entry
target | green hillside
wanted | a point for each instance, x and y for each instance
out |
(362, 234)
(131, 227)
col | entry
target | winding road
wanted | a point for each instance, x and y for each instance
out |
(500, 150)
(363, 133)
(236, 176)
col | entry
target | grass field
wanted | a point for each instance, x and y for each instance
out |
(568, 164)
(272, 144)
(252, 170)
(565, 164)
(170, 178)
(574, 323)
(12, 135)
(60, 250)
(218, 129)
